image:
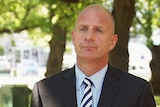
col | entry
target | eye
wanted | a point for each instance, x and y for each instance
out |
(83, 29)
(98, 30)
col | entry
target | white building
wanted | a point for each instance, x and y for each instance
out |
(22, 49)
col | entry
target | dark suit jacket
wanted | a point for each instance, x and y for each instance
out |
(120, 89)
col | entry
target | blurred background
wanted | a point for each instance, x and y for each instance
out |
(35, 42)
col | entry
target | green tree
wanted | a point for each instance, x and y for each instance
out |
(55, 18)
(65, 13)
(1, 51)
(148, 18)
(56, 21)
(17, 15)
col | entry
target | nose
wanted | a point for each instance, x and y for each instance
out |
(90, 35)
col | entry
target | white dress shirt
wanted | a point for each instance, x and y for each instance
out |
(97, 80)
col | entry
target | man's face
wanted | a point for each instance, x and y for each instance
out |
(93, 36)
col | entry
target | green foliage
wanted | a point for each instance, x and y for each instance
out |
(157, 99)
(18, 15)
(38, 17)
(1, 51)
(67, 13)
(147, 18)
(30, 15)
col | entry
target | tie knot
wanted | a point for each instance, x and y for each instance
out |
(87, 82)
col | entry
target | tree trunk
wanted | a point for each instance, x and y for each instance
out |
(123, 11)
(57, 44)
(57, 48)
(155, 67)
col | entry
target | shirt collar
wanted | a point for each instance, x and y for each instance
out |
(96, 78)
(79, 76)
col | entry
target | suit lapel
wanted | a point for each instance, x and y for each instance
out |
(110, 88)
(109, 91)
(69, 89)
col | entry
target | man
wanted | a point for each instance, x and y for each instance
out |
(93, 38)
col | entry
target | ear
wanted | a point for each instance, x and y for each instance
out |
(73, 36)
(113, 41)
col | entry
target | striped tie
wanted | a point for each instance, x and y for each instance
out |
(87, 95)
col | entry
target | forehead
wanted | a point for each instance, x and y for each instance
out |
(95, 15)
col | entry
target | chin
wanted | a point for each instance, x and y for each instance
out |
(88, 57)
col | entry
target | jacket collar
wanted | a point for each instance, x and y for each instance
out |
(69, 88)
(110, 88)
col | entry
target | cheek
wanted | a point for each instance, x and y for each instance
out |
(106, 44)
(74, 38)
(76, 42)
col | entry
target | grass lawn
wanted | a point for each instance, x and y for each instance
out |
(157, 99)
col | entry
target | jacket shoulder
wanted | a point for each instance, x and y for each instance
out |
(56, 78)
(126, 77)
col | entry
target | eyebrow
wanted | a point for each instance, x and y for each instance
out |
(80, 26)
(83, 25)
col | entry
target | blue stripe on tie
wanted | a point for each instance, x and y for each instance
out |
(87, 95)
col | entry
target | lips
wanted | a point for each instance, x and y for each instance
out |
(88, 47)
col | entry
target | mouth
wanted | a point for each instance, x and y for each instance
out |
(89, 47)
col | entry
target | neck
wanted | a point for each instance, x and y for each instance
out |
(91, 67)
